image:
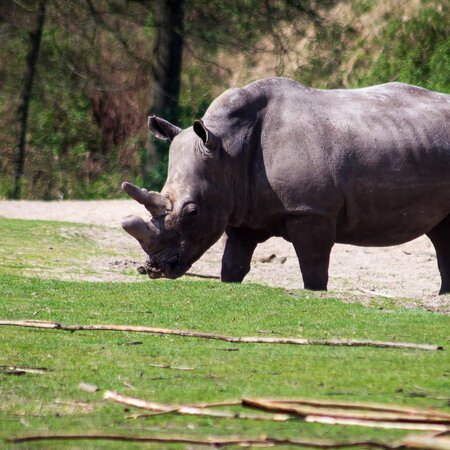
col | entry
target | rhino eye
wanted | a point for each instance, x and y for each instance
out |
(191, 209)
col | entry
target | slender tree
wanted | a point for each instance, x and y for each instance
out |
(32, 57)
(166, 70)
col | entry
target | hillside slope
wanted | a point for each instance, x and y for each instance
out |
(361, 42)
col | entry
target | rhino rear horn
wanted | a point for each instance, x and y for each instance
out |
(157, 204)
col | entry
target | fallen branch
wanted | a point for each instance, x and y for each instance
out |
(427, 442)
(423, 421)
(375, 424)
(168, 366)
(418, 442)
(194, 405)
(376, 293)
(363, 406)
(18, 370)
(205, 335)
(200, 275)
(327, 405)
(373, 419)
(164, 408)
(210, 441)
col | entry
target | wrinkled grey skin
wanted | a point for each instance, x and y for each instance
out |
(366, 167)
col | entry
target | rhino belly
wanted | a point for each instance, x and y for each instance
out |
(393, 216)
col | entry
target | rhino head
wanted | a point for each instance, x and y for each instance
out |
(194, 206)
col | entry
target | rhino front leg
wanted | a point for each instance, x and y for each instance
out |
(313, 238)
(239, 247)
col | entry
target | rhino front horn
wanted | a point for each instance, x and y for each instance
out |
(145, 233)
(157, 204)
(136, 227)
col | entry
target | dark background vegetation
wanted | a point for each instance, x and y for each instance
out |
(78, 79)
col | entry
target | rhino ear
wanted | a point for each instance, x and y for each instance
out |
(209, 139)
(162, 129)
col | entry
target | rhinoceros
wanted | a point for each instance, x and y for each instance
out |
(367, 167)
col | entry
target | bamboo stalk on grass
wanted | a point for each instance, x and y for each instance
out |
(206, 335)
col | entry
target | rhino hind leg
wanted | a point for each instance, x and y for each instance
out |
(440, 237)
(239, 247)
(313, 238)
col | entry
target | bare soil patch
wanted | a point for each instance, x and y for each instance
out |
(360, 274)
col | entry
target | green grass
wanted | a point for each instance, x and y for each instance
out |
(52, 402)
(59, 249)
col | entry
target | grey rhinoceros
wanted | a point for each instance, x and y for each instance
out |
(367, 167)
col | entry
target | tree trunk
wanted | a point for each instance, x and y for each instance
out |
(32, 56)
(166, 73)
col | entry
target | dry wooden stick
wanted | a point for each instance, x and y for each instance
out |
(19, 370)
(442, 433)
(375, 419)
(356, 413)
(428, 442)
(332, 417)
(205, 335)
(320, 405)
(186, 409)
(363, 406)
(376, 424)
(210, 441)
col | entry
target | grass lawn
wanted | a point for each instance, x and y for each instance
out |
(177, 369)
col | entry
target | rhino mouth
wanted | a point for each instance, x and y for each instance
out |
(171, 268)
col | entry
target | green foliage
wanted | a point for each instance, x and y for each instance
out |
(74, 148)
(362, 6)
(86, 130)
(326, 53)
(416, 51)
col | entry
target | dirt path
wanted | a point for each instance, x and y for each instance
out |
(356, 273)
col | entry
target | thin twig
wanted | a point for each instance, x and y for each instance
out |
(210, 441)
(168, 366)
(200, 275)
(376, 293)
(205, 335)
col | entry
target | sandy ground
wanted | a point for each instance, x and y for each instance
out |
(356, 273)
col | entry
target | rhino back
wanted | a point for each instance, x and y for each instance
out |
(377, 160)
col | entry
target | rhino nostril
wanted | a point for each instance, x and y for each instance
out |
(172, 259)
(156, 268)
